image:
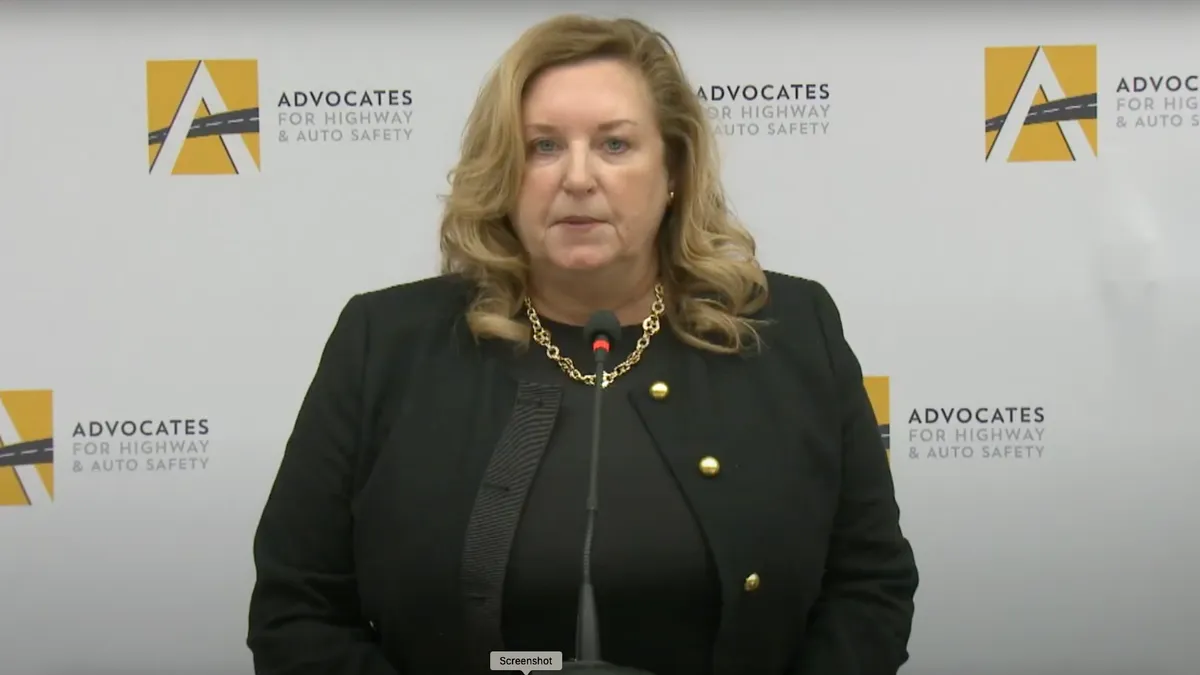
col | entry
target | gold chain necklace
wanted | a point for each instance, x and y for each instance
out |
(650, 326)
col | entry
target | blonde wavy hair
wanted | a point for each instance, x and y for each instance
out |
(708, 267)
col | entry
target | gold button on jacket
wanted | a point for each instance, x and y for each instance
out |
(659, 391)
(751, 583)
(709, 466)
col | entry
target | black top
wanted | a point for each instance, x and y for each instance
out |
(383, 544)
(657, 591)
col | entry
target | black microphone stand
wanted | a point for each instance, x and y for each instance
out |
(602, 330)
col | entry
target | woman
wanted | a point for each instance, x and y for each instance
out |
(429, 508)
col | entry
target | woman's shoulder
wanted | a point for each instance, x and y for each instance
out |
(789, 295)
(423, 303)
(800, 311)
(438, 292)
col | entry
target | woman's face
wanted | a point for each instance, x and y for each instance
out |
(596, 183)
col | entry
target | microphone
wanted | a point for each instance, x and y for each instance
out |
(601, 332)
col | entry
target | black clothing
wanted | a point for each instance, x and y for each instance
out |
(384, 546)
(657, 593)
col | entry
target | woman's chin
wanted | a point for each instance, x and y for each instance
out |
(582, 259)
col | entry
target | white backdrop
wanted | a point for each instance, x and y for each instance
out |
(1069, 286)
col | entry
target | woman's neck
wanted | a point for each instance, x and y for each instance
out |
(571, 297)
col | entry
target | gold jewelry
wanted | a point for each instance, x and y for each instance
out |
(650, 326)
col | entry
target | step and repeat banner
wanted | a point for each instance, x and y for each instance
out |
(1003, 200)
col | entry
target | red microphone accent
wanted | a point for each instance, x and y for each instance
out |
(601, 344)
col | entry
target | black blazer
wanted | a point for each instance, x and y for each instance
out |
(376, 554)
